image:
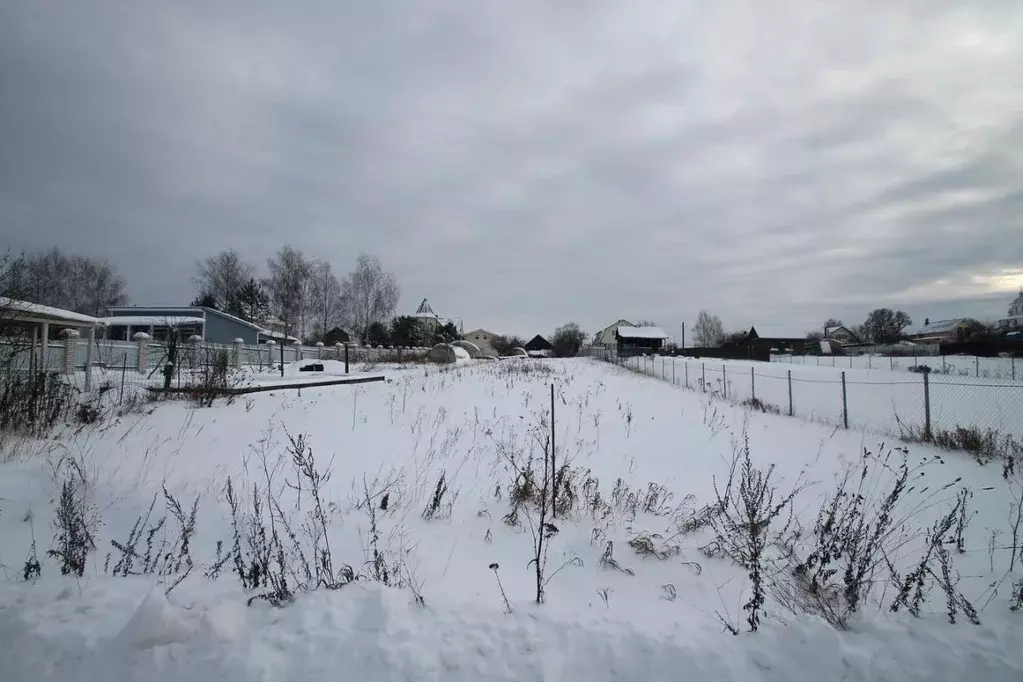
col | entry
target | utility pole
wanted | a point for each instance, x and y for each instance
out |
(683, 336)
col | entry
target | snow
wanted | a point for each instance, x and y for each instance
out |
(16, 307)
(641, 333)
(373, 633)
(879, 400)
(403, 433)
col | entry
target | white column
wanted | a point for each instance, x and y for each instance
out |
(70, 348)
(88, 358)
(44, 355)
(142, 339)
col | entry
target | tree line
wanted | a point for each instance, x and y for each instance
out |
(302, 294)
(882, 326)
(61, 280)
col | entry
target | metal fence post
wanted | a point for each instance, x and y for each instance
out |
(346, 358)
(703, 367)
(752, 383)
(1013, 359)
(686, 364)
(891, 362)
(673, 371)
(943, 369)
(870, 361)
(724, 380)
(124, 370)
(977, 358)
(845, 404)
(927, 407)
(790, 393)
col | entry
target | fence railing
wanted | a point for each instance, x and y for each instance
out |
(975, 366)
(921, 406)
(122, 368)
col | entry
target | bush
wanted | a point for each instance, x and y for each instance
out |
(34, 404)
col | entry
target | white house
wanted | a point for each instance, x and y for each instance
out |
(606, 337)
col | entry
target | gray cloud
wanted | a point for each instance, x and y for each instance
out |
(523, 164)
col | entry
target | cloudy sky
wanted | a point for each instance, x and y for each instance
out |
(526, 163)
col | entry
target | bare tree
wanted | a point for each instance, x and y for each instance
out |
(223, 276)
(325, 299)
(84, 285)
(708, 330)
(885, 325)
(370, 294)
(287, 285)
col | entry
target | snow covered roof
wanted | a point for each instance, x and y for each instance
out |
(150, 321)
(936, 327)
(641, 333)
(276, 336)
(771, 331)
(25, 311)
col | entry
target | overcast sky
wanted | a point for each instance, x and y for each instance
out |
(527, 163)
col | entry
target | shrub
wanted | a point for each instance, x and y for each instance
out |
(73, 538)
(34, 404)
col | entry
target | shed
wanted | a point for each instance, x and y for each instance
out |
(335, 336)
(539, 344)
(776, 338)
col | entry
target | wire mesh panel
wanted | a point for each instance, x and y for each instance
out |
(979, 406)
(896, 408)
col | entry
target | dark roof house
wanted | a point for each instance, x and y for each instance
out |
(776, 338)
(539, 343)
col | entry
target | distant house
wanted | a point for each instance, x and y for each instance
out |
(776, 339)
(482, 339)
(939, 331)
(639, 340)
(539, 346)
(212, 325)
(841, 335)
(1014, 321)
(606, 337)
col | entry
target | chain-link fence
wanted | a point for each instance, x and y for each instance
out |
(971, 366)
(920, 405)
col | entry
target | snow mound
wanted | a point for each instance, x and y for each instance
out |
(375, 633)
(156, 623)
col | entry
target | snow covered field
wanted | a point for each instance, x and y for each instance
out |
(436, 454)
(879, 400)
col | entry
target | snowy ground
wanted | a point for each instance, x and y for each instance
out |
(653, 619)
(878, 400)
